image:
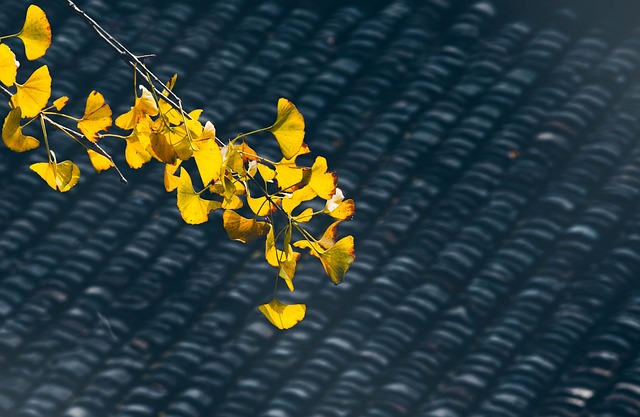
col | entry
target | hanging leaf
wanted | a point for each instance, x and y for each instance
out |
(305, 216)
(35, 33)
(33, 95)
(60, 103)
(143, 105)
(285, 260)
(12, 133)
(266, 173)
(243, 229)
(288, 174)
(8, 66)
(322, 182)
(61, 176)
(100, 163)
(171, 181)
(135, 153)
(261, 206)
(336, 257)
(339, 208)
(97, 116)
(283, 316)
(193, 208)
(288, 128)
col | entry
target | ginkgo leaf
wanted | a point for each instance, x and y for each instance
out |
(97, 116)
(60, 103)
(143, 106)
(8, 66)
(322, 182)
(283, 316)
(293, 200)
(61, 176)
(336, 260)
(261, 206)
(12, 133)
(193, 208)
(288, 174)
(339, 208)
(171, 181)
(33, 95)
(266, 173)
(100, 163)
(135, 153)
(305, 216)
(285, 260)
(288, 128)
(207, 155)
(183, 136)
(243, 229)
(35, 33)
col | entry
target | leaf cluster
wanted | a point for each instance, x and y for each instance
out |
(260, 198)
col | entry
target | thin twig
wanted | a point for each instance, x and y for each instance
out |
(93, 145)
(131, 59)
(6, 92)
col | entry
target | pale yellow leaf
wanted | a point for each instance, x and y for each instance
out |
(33, 95)
(193, 208)
(288, 128)
(97, 116)
(8, 66)
(35, 33)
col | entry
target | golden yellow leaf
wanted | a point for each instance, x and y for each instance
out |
(60, 103)
(182, 139)
(171, 181)
(97, 116)
(12, 133)
(288, 174)
(339, 208)
(243, 229)
(135, 153)
(293, 200)
(336, 257)
(322, 182)
(288, 128)
(261, 206)
(208, 156)
(143, 105)
(8, 66)
(193, 208)
(305, 216)
(35, 33)
(285, 260)
(33, 95)
(266, 173)
(283, 316)
(61, 176)
(100, 163)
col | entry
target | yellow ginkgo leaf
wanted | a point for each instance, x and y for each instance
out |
(262, 206)
(143, 105)
(339, 208)
(266, 173)
(60, 103)
(243, 229)
(171, 181)
(285, 260)
(288, 128)
(12, 133)
(208, 156)
(322, 182)
(97, 116)
(100, 163)
(305, 216)
(135, 153)
(193, 208)
(293, 200)
(33, 95)
(8, 66)
(61, 176)
(283, 316)
(35, 33)
(336, 260)
(288, 174)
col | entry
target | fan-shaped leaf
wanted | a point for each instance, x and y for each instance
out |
(60, 103)
(61, 176)
(322, 182)
(97, 116)
(135, 153)
(171, 181)
(33, 95)
(143, 105)
(35, 33)
(243, 229)
(100, 163)
(193, 208)
(288, 128)
(12, 133)
(283, 316)
(8, 66)
(339, 208)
